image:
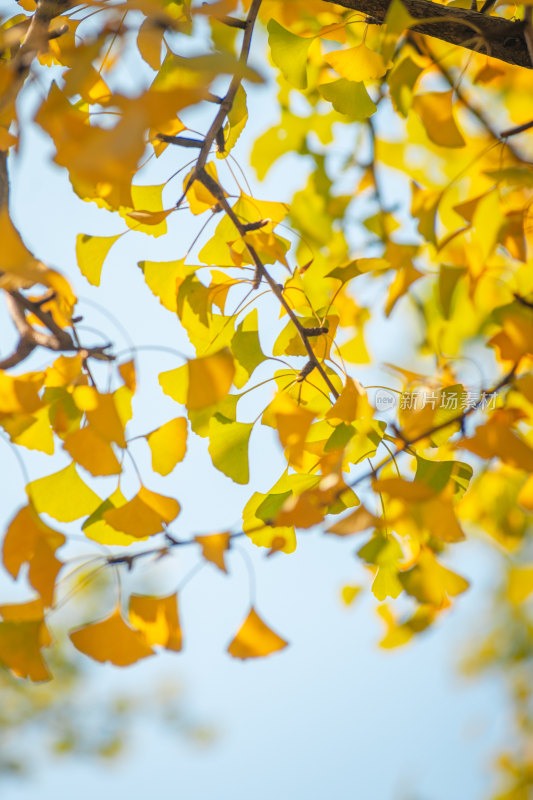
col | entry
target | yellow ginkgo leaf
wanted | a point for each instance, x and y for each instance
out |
(112, 640)
(168, 445)
(30, 541)
(349, 593)
(214, 547)
(157, 618)
(144, 515)
(431, 583)
(351, 404)
(20, 393)
(357, 64)
(199, 197)
(358, 521)
(210, 379)
(128, 375)
(90, 451)
(436, 112)
(255, 639)
(292, 423)
(64, 371)
(496, 440)
(106, 418)
(150, 42)
(20, 648)
(91, 252)
(96, 527)
(520, 583)
(164, 279)
(63, 495)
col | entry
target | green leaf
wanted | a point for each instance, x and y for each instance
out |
(228, 447)
(289, 53)
(268, 509)
(350, 98)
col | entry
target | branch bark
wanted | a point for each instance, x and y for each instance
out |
(499, 38)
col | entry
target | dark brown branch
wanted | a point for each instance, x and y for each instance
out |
(233, 22)
(182, 141)
(515, 131)
(500, 38)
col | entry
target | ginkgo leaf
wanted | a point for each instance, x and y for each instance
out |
(350, 98)
(402, 81)
(210, 379)
(112, 640)
(144, 515)
(351, 404)
(128, 374)
(96, 527)
(357, 63)
(246, 348)
(494, 440)
(292, 423)
(150, 42)
(20, 648)
(430, 582)
(359, 520)
(214, 547)
(63, 495)
(20, 393)
(399, 633)
(199, 197)
(237, 118)
(157, 618)
(359, 267)
(435, 111)
(349, 593)
(91, 252)
(520, 583)
(289, 53)
(92, 452)
(255, 639)
(28, 540)
(228, 447)
(168, 445)
(106, 417)
(164, 279)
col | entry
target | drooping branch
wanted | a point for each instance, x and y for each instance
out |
(500, 38)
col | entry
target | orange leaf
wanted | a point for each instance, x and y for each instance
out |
(214, 547)
(255, 639)
(111, 640)
(157, 618)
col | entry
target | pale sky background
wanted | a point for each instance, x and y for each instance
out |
(332, 715)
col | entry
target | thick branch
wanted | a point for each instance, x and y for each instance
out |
(497, 37)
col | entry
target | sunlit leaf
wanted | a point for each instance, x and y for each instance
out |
(157, 618)
(112, 640)
(168, 445)
(255, 639)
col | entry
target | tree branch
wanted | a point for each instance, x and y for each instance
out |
(217, 191)
(499, 38)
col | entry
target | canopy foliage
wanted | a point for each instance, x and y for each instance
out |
(412, 119)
